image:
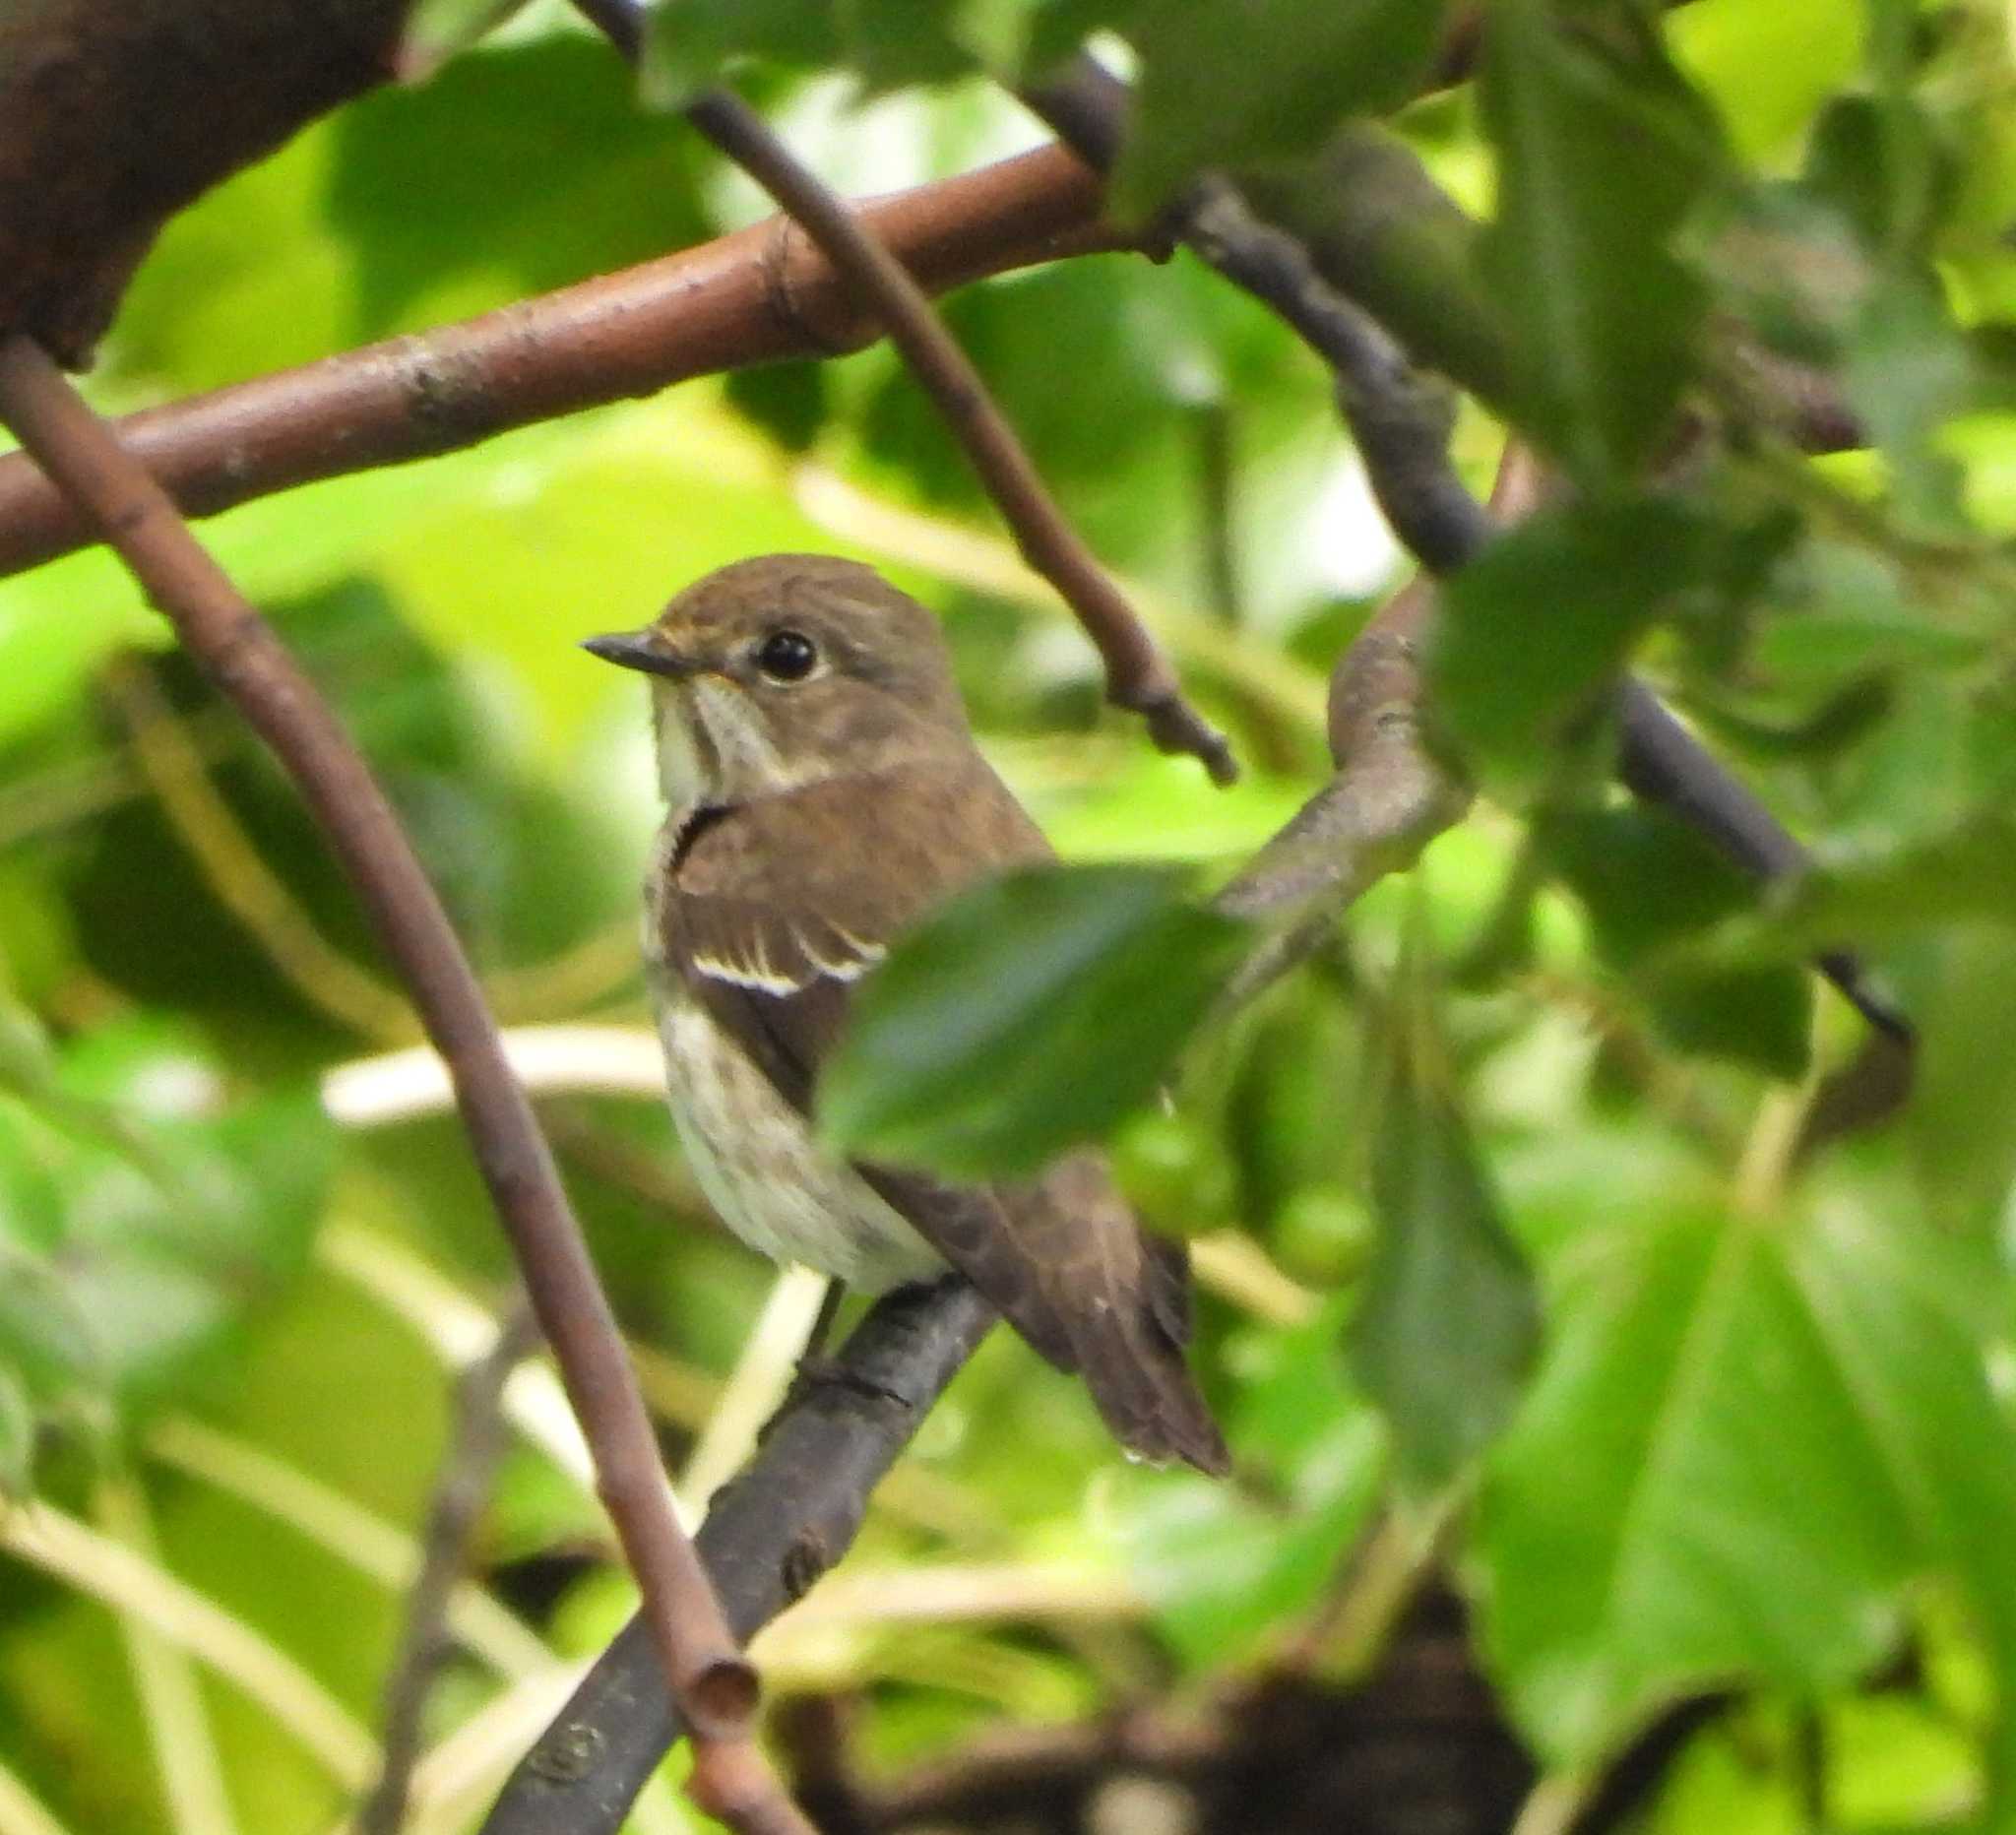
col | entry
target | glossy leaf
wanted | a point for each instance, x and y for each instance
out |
(1746, 1442)
(1027, 1016)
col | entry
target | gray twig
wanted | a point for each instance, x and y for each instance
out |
(475, 1442)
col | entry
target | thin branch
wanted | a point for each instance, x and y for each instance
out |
(751, 297)
(1138, 675)
(477, 1442)
(713, 1681)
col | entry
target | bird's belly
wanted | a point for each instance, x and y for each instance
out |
(755, 1158)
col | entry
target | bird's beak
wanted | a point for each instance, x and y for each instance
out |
(638, 650)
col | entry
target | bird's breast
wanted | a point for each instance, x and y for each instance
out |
(756, 1158)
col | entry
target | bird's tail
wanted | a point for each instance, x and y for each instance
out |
(1132, 1359)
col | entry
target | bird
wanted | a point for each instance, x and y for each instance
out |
(824, 793)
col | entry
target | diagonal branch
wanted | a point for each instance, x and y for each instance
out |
(477, 1442)
(1404, 445)
(1138, 675)
(713, 1684)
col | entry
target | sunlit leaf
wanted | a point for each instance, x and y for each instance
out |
(1746, 1442)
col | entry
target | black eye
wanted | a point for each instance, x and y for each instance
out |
(788, 655)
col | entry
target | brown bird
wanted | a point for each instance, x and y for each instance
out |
(823, 792)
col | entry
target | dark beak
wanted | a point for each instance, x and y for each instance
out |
(636, 650)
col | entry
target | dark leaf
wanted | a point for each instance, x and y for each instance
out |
(1300, 70)
(1028, 1015)
(1601, 147)
(1533, 630)
(1649, 881)
(1449, 1324)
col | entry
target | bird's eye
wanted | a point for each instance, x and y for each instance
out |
(788, 655)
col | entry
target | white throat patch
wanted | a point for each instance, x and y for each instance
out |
(738, 760)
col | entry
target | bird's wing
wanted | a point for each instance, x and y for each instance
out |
(771, 930)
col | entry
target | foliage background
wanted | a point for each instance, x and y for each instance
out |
(1767, 1441)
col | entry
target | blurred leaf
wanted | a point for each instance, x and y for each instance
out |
(787, 401)
(1302, 70)
(177, 1210)
(1908, 372)
(1601, 147)
(691, 46)
(437, 30)
(1745, 1444)
(1024, 1017)
(516, 170)
(1647, 881)
(17, 1438)
(893, 43)
(1532, 632)
(1961, 1123)
(1224, 1564)
(1966, 872)
(1446, 1332)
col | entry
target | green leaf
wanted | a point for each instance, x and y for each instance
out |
(1225, 1565)
(1300, 69)
(1025, 1016)
(1961, 1123)
(17, 1438)
(1746, 1442)
(1601, 147)
(1649, 882)
(1449, 1324)
(437, 30)
(892, 44)
(1531, 633)
(690, 46)
(1969, 871)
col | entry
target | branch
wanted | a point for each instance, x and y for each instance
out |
(1138, 675)
(768, 1537)
(1332, 259)
(757, 295)
(477, 1441)
(713, 1684)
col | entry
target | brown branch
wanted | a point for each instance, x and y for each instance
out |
(1138, 675)
(713, 1684)
(751, 297)
(477, 1441)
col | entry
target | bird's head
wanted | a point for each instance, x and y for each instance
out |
(785, 671)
